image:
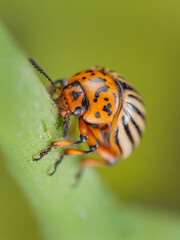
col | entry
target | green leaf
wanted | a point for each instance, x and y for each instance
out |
(29, 122)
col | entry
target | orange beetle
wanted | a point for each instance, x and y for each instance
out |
(110, 111)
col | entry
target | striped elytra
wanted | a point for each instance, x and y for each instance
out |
(131, 121)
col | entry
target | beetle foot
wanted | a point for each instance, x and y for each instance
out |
(42, 154)
(56, 165)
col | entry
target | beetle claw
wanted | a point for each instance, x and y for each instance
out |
(36, 159)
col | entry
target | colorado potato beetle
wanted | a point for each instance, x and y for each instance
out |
(110, 111)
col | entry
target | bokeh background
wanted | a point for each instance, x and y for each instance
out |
(138, 39)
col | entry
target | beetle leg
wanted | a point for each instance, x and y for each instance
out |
(63, 82)
(91, 141)
(90, 162)
(85, 134)
(109, 159)
(93, 162)
(56, 164)
(60, 143)
(72, 151)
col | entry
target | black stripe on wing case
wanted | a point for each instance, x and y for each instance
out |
(126, 128)
(127, 86)
(135, 109)
(135, 97)
(116, 139)
(133, 122)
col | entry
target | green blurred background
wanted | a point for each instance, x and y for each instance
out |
(138, 39)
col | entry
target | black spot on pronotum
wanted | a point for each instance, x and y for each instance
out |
(92, 74)
(77, 111)
(89, 71)
(103, 72)
(115, 97)
(101, 89)
(76, 94)
(97, 80)
(84, 78)
(107, 109)
(106, 99)
(97, 115)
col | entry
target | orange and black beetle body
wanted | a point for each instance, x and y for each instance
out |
(110, 111)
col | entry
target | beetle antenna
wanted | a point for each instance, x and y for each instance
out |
(35, 65)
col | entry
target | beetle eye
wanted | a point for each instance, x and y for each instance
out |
(77, 111)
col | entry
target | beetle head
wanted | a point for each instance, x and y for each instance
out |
(72, 100)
